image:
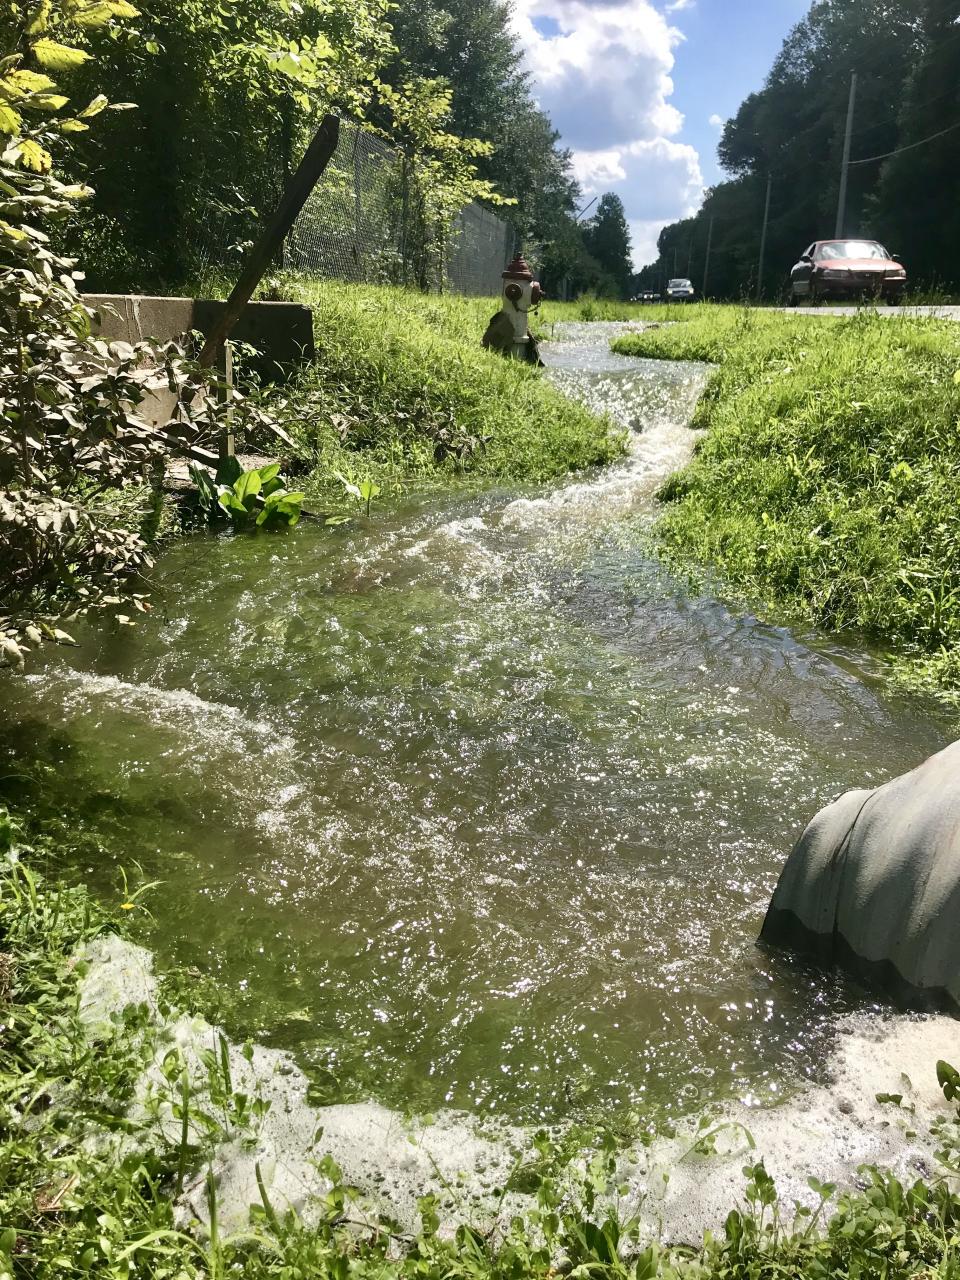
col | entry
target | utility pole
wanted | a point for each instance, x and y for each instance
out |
(845, 164)
(763, 237)
(706, 265)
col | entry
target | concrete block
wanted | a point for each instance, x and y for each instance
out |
(282, 332)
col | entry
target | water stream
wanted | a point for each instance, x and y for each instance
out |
(475, 803)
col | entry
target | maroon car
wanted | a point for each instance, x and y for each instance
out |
(847, 269)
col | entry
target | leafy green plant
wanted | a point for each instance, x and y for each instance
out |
(75, 434)
(257, 497)
(948, 1078)
(363, 491)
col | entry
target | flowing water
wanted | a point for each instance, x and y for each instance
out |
(474, 803)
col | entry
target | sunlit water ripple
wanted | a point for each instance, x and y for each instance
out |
(475, 803)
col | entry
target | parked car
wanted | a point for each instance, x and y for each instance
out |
(680, 291)
(845, 270)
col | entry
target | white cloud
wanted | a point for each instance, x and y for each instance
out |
(716, 121)
(602, 70)
(603, 74)
(658, 180)
(677, 6)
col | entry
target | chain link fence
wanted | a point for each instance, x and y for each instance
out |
(361, 224)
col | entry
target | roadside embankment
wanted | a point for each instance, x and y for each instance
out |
(138, 1141)
(826, 486)
(401, 390)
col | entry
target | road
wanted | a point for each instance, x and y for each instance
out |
(936, 313)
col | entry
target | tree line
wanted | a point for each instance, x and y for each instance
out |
(225, 96)
(904, 176)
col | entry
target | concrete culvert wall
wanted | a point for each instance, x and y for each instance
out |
(873, 884)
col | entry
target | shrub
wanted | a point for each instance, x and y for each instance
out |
(71, 435)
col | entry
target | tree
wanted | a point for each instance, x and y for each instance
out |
(226, 96)
(918, 203)
(607, 238)
(792, 130)
(471, 46)
(438, 170)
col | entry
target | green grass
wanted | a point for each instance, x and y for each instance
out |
(827, 485)
(70, 1207)
(401, 390)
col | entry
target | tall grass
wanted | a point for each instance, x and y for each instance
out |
(401, 388)
(828, 483)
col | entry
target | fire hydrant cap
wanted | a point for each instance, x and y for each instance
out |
(518, 269)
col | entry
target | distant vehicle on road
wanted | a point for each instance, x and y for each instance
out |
(680, 291)
(847, 269)
(646, 295)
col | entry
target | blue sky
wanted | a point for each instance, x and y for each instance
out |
(639, 90)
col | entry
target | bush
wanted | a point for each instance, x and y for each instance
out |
(71, 436)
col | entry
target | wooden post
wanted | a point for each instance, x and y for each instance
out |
(763, 237)
(227, 448)
(318, 156)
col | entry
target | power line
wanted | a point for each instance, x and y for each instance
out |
(909, 147)
(898, 119)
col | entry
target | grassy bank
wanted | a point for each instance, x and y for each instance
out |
(402, 390)
(828, 483)
(88, 1186)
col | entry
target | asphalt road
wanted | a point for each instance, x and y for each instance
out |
(937, 313)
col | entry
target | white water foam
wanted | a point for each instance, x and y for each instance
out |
(78, 690)
(824, 1132)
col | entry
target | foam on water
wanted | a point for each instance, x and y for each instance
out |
(824, 1132)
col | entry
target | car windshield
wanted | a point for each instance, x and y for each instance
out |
(679, 284)
(852, 249)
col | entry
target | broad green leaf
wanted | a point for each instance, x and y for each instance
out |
(102, 12)
(46, 101)
(72, 126)
(12, 233)
(33, 156)
(247, 485)
(9, 119)
(95, 107)
(29, 81)
(39, 18)
(268, 473)
(230, 502)
(58, 57)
